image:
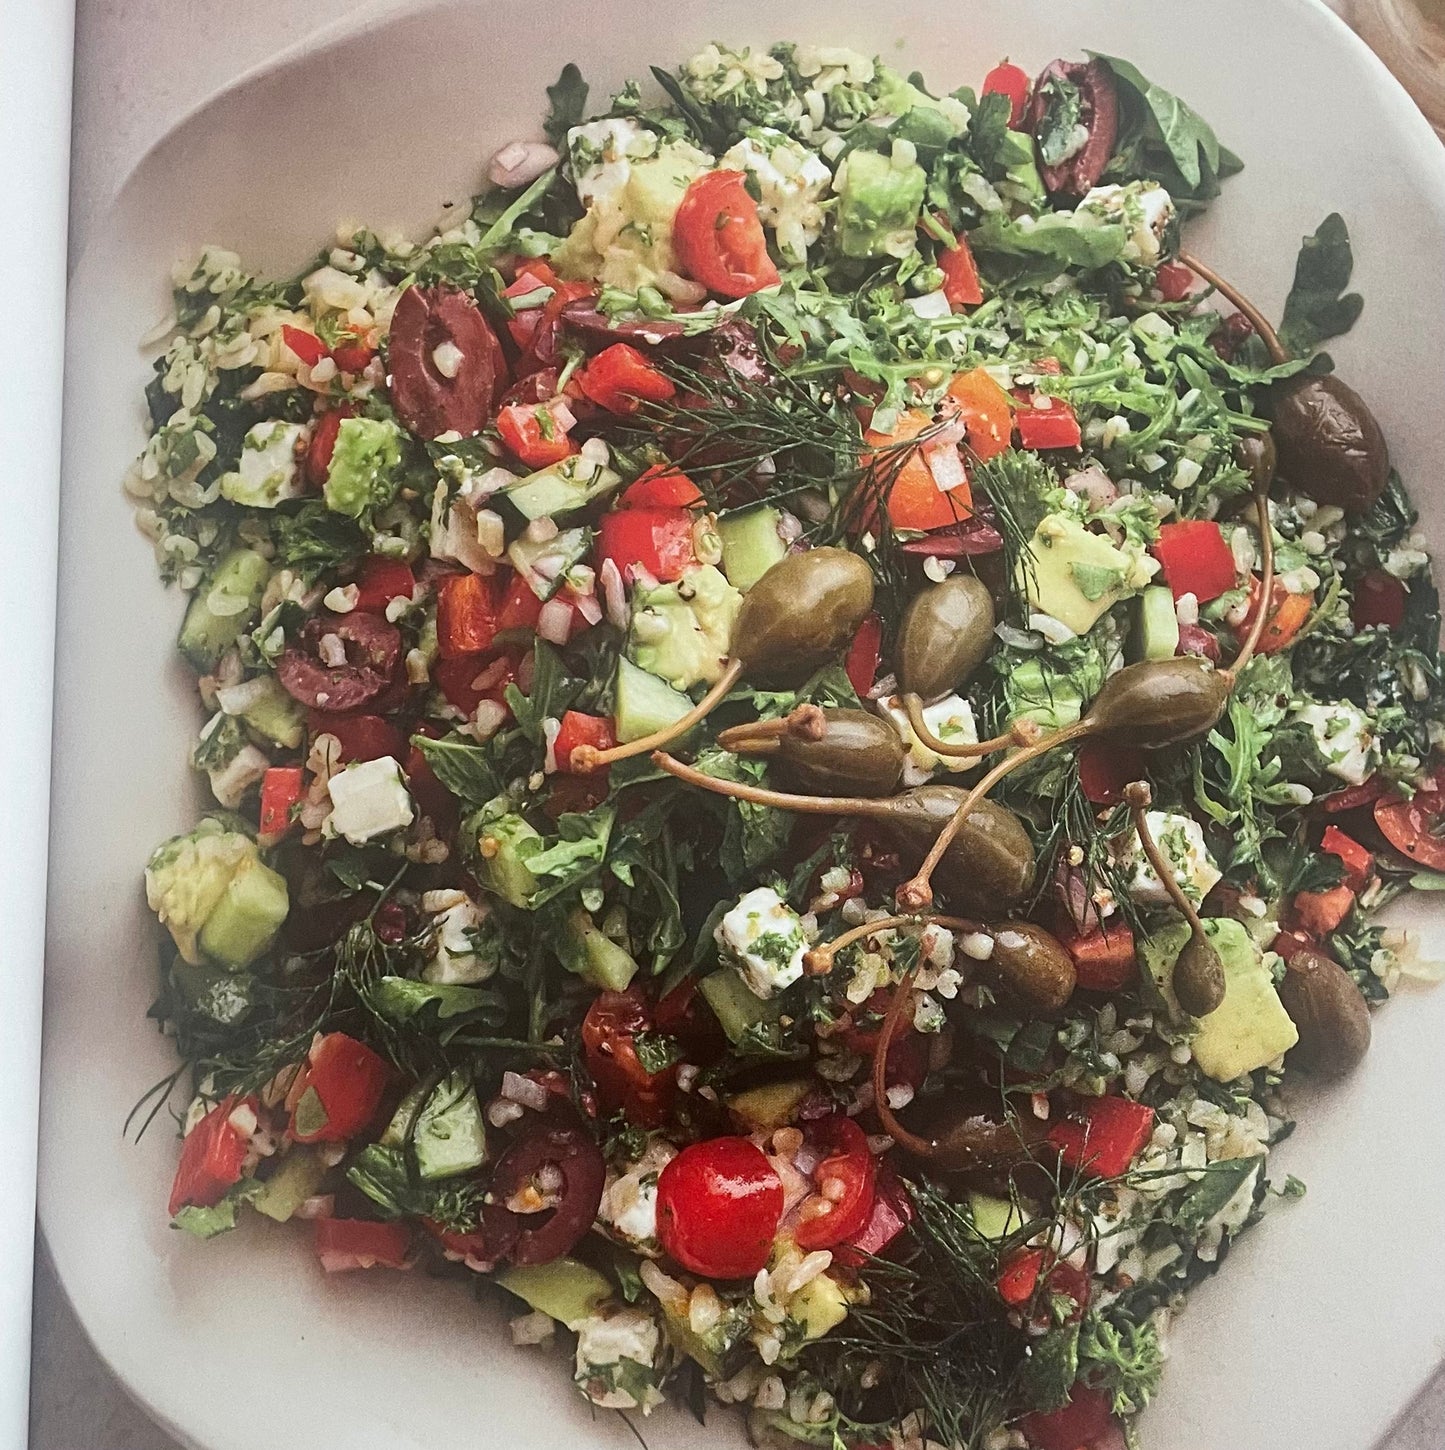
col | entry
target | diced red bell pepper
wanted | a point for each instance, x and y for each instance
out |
(1196, 559)
(281, 787)
(323, 444)
(581, 729)
(212, 1156)
(381, 581)
(1320, 912)
(358, 1243)
(466, 615)
(361, 737)
(1288, 613)
(1379, 601)
(1049, 423)
(352, 357)
(620, 378)
(1011, 81)
(1352, 796)
(1019, 1276)
(1105, 769)
(861, 665)
(534, 434)
(338, 1091)
(1174, 281)
(457, 679)
(662, 486)
(306, 345)
(1103, 1136)
(1087, 1416)
(519, 608)
(986, 410)
(1359, 863)
(915, 500)
(960, 275)
(657, 540)
(1104, 960)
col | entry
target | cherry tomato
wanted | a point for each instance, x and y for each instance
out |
(718, 1206)
(915, 500)
(534, 434)
(1011, 81)
(306, 345)
(1105, 959)
(1195, 559)
(609, 1034)
(845, 1180)
(447, 366)
(986, 410)
(659, 540)
(1416, 827)
(352, 357)
(620, 378)
(1049, 424)
(483, 1247)
(357, 1243)
(212, 1156)
(718, 236)
(323, 444)
(469, 679)
(338, 1091)
(580, 729)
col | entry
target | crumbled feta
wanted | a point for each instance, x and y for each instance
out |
(368, 799)
(267, 470)
(951, 719)
(601, 154)
(454, 959)
(616, 1350)
(1143, 208)
(764, 937)
(792, 182)
(1181, 840)
(628, 1210)
(230, 782)
(1343, 733)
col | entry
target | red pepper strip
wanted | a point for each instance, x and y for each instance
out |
(960, 275)
(1103, 1136)
(466, 615)
(338, 1091)
(306, 345)
(1196, 559)
(1359, 863)
(861, 665)
(662, 486)
(281, 787)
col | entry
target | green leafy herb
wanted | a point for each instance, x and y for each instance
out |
(567, 104)
(400, 999)
(206, 1223)
(1318, 307)
(1063, 111)
(464, 767)
(1220, 1183)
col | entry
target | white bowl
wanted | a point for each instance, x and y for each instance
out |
(1330, 1315)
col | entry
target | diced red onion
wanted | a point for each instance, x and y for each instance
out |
(519, 1089)
(554, 623)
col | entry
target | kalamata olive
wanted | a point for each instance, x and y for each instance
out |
(1255, 454)
(971, 1128)
(447, 367)
(1198, 978)
(1329, 1012)
(800, 614)
(484, 1247)
(989, 864)
(579, 1162)
(1160, 702)
(1099, 114)
(858, 754)
(1030, 964)
(946, 633)
(372, 649)
(597, 330)
(1330, 446)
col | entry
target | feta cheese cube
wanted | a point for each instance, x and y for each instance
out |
(616, 1352)
(267, 471)
(951, 719)
(1143, 208)
(454, 959)
(792, 181)
(1181, 840)
(628, 1210)
(1345, 739)
(764, 937)
(368, 799)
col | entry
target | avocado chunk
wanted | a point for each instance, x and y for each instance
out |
(771, 1104)
(271, 715)
(878, 202)
(820, 1305)
(246, 918)
(298, 1177)
(1158, 624)
(735, 1005)
(449, 1137)
(1250, 1028)
(993, 1218)
(365, 464)
(644, 704)
(224, 605)
(504, 846)
(1077, 575)
(751, 544)
(682, 632)
(562, 488)
(566, 1290)
(583, 948)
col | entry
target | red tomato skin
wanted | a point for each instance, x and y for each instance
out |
(718, 1207)
(1105, 1142)
(620, 379)
(323, 444)
(1195, 559)
(281, 787)
(662, 486)
(1019, 1276)
(914, 500)
(1011, 81)
(1409, 825)
(861, 665)
(1104, 960)
(719, 239)
(525, 435)
(362, 737)
(1359, 864)
(212, 1155)
(455, 679)
(1379, 601)
(1321, 912)
(466, 615)
(849, 1163)
(349, 1079)
(659, 541)
(520, 607)
(382, 580)
(579, 729)
(352, 357)
(892, 1212)
(609, 1031)
(343, 1244)
(306, 345)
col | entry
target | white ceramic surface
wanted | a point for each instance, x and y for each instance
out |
(1329, 1316)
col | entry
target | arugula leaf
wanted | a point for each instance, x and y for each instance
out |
(553, 691)
(1220, 1183)
(206, 1223)
(575, 856)
(314, 539)
(708, 132)
(1054, 244)
(1318, 307)
(567, 102)
(464, 767)
(400, 999)
(753, 834)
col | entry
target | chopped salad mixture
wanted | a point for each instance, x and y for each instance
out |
(807, 714)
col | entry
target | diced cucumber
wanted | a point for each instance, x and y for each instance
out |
(273, 717)
(770, 1105)
(585, 949)
(1158, 624)
(562, 488)
(993, 1218)
(297, 1178)
(735, 1006)
(450, 1136)
(247, 917)
(751, 544)
(224, 605)
(503, 846)
(566, 1290)
(545, 563)
(644, 703)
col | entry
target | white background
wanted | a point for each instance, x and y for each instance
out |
(140, 66)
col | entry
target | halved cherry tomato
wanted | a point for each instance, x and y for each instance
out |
(986, 410)
(1009, 80)
(657, 540)
(534, 434)
(861, 666)
(842, 1202)
(382, 580)
(447, 367)
(1359, 864)
(466, 615)
(718, 1206)
(892, 1212)
(662, 486)
(361, 737)
(1195, 559)
(306, 345)
(1416, 827)
(1320, 912)
(1105, 959)
(620, 378)
(1379, 601)
(579, 729)
(1087, 1416)
(338, 1091)
(718, 236)
(323, 444)
(1105, 769)
(1288, 613)
(960, 274)
(1103, 1135)
(343, 1244)
(1174, 281)
(281, 787)
(609, 1033)
(1049, 423)
(212, 1156)
(915, 500)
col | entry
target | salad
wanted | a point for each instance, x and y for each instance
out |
(807, 715)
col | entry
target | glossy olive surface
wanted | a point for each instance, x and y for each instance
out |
(800, 614)
(947, 632)
(1330, 446)
(1160, 702)
(1329, 1011)
(859, 754)
(972, 1128)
